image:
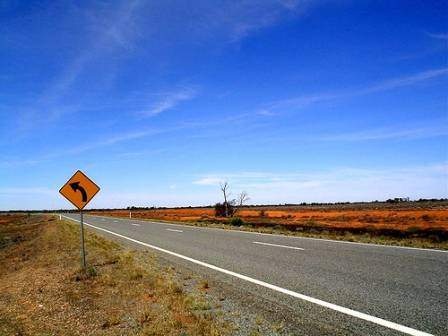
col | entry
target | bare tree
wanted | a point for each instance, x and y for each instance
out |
(242, 198)
(225, 191)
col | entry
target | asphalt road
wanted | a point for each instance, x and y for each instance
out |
(319, 286)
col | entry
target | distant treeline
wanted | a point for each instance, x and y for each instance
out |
(388, 201)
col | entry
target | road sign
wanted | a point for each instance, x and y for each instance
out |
(79, 190)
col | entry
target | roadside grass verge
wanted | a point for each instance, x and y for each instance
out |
(412, 237)
(122, 292)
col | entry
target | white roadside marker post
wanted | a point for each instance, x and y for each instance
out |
(130, 214)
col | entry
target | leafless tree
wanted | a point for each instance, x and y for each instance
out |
(242, 198)
(225, 191)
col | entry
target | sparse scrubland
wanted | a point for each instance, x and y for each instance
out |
(418, 224)
(122, 292)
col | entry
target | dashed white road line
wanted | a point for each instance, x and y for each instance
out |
(173, 230)
(135, 224)
(276, 245)
(347, 311)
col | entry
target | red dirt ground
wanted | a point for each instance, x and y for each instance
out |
(399, 219)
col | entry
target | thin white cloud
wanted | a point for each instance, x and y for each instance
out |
(27, 191)
(21, 198)
(403, 81)
(115, 29)
(386, 85)
(439, 36)
(208, 181)
(89, 146)
(343, 184)
(105, 141)
(170, 101)
(109, 141)
(388, 133)
(234, 21)
(15, 162)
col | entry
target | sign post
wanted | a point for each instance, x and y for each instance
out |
(79, 190)
(83, 251)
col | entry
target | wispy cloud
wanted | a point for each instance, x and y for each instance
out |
(27, 191)
(403, 81)
(109, 31)
(439, 36)
(15, 162)
(170, 101)
(386, 85)
(113, 140)
(105, 141)
(138, 154)
(388, 133)
(242, 26)
(234, 21)
(342, 184)
(210, 180)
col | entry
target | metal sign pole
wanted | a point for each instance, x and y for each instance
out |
(83, 252)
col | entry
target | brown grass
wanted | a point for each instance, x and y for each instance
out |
(379, 219)
(123, 292)
(408, 226)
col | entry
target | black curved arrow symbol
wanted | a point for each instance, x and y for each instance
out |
(75, 186)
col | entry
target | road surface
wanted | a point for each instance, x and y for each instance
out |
(319, 286)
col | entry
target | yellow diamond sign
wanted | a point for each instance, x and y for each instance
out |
(79, 190)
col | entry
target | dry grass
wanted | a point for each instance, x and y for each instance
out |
(43, 291)
(424, 226)
(382, 218)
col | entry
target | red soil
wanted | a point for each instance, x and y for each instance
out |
(340, 218)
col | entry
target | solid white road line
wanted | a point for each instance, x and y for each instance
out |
(347, 311)
(285, 246)
(173, 230)
(286, 236)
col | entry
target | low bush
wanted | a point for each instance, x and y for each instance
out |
(236, 221)
(220, 209)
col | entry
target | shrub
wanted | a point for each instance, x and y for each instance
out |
(220, 209)
(91, 271)
(426, 217)
(236, 221)
(413, 229)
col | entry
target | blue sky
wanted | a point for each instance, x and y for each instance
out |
(158, 102)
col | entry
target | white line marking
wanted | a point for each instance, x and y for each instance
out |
(285, 246)
(135, 224)
(173, 230)
(286, 236)
(347, 311)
